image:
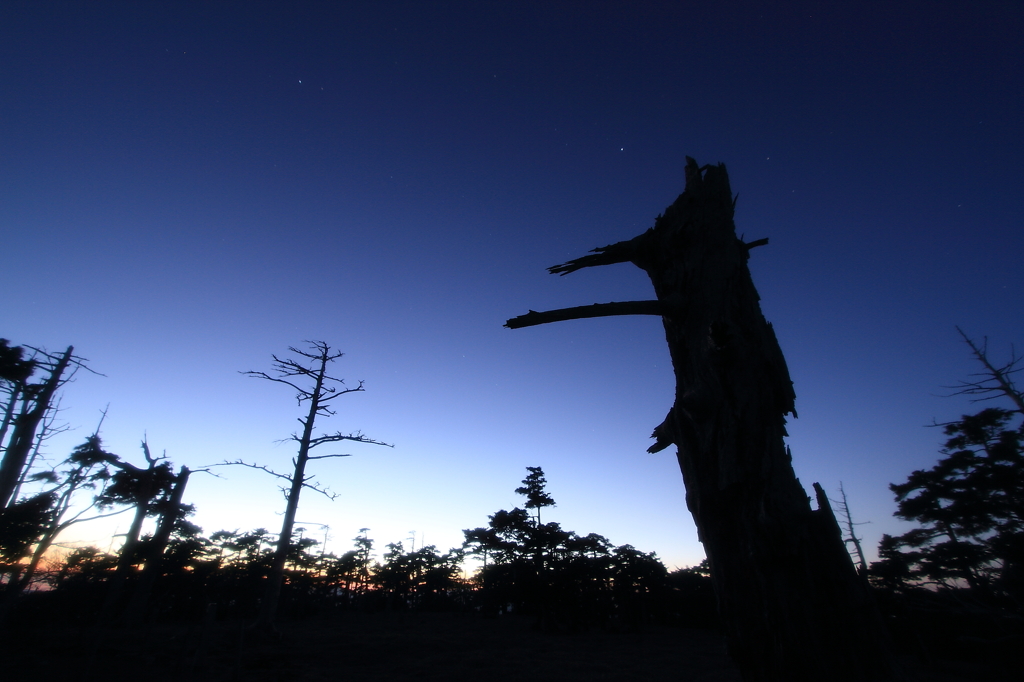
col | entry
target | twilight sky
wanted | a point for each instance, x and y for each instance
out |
(186, 188)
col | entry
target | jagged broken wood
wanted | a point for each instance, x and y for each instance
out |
(792, 605)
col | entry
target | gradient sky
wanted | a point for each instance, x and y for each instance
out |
(186, 188)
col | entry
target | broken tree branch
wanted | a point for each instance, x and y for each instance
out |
(621, 252)
(534, 318)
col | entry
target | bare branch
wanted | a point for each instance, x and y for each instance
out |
(326, 492)
(76, 360)
(323, 491)
(533, 318)
(77, 519)
(997, 381)
(252, 466)
(622, 252)
(149, 457)
(354, 437)
(335, 392)
(264, 375)
(326, 456)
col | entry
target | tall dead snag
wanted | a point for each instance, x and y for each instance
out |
(310, 367)
(788, 595)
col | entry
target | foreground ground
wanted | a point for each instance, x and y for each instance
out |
(358, 647)
(363, 647)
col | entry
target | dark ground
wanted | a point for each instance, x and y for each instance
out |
(362, 647)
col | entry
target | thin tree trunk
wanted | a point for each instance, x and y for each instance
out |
(45, 542)
(23, 436)
(129, 549)
(862, 566)
(12, 404)
(275, 581)
(790, 599)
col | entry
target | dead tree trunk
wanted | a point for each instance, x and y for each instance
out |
(136, 610)
(789, 598)
(23, 437)
(143, 496)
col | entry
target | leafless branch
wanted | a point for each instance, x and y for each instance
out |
(533, 318)
(326, 492)
(336, 393)
(253, 466)
(76, 360)
(354, 437)
(150, 459)
(621, 252)
(995, 381)
(77, 519)
(323, 491)
(264, 375)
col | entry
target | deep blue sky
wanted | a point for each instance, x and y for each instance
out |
(186, 188)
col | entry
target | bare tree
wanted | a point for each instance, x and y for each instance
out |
(843, 508)
(790, 599)
(309, 366)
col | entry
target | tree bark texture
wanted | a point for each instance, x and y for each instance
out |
(789, 597)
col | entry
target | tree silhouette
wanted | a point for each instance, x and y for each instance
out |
(35, 401)
(309, 366)
(172, 517)
(791, 602)
(533, 488)
(144, 489)
(969, 507)
(843, 508)
(15, 371)
(21, 524)
(564, 579)
(87, 468)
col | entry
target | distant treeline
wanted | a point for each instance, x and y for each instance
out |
(566, 581)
